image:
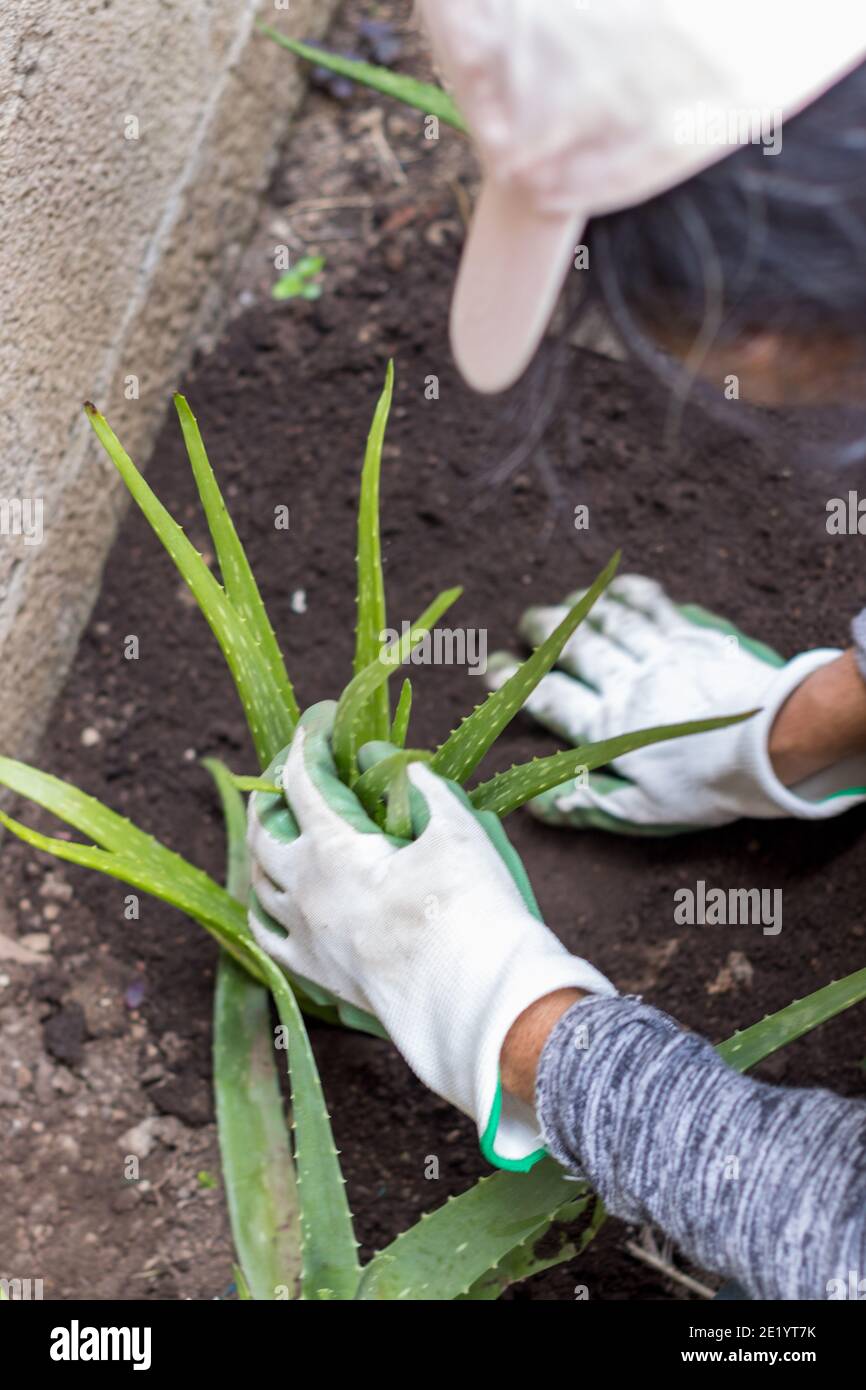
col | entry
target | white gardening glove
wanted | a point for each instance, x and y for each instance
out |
(438, 938)
(641, 660)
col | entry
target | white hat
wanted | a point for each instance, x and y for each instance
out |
(585, 107)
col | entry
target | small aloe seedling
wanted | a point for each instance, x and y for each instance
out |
(287, 1202)
(300, 282)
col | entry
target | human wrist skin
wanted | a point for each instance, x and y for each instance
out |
(822, 722)
(524, 1042)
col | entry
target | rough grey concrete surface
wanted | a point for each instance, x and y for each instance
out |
(135, 139)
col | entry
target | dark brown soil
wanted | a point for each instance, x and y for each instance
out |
(284, 401)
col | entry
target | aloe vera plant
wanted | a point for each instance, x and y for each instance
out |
(287, 1201)
(423, 96)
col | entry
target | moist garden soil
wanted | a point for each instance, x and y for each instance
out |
(107, 1020)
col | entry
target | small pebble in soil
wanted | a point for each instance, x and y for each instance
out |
(299, 601)
(38, 941)
(54, 886)
(90, 737)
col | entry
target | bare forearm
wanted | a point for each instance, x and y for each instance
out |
(821, 723)
(524, 1042)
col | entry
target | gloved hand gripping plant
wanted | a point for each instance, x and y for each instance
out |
(287, 1202)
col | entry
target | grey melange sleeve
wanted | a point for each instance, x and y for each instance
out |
(764, 1184)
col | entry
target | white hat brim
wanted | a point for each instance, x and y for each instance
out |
(513, 267)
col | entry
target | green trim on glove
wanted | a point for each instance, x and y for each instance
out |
(545, 808)
(488, 1149)
(702, 617)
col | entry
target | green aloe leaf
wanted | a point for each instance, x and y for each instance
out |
(184, 890)
(349, 720)
(398, 818)
(124, 852)
(753, 1044)
(258, 1171)
(270, 719)
(373, 786)
(240, 586)
(138, 859)
(255, 784)
(400, 726)
(238, 867)
(423, 96)
(451, 1249)
(374, 721)
(257, 1166)
(524, 1261)
(458, 757)
(329, 1251)
(85, 813)
(507, 791)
